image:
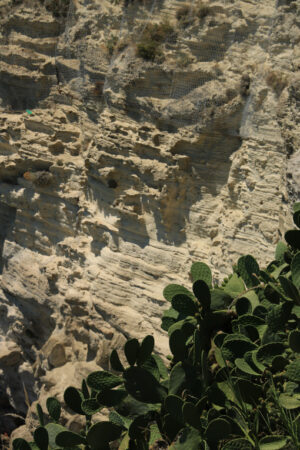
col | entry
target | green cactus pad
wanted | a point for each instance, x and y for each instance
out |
(69, 439)
(73, 399)
(186, 325)
(110, 397)
(189, 439)
(101, 380)
(293, 371)
(236, 347)
(115, 361)
(191, 415)
(177, 345)
(238, 444)
(219, 299)
(247, 390)
(171, 427)
(278, 315)
(247, 266)
(217, 430)
(272, 443)
(173, 405)
(202, 293)
(41, 438)
(155, 435)
(176, 289)
(146, 349)
(201, 271)
(294, 340)
(201, 404)
(296, 215)
(295, 267)
(151, 366)
(21, 444)
(290, 290)
(177, 379)
(40, 414)
(242, 365)
(119, 420)
(292, 237)
(279, 363)
(90, 406)
(281, 248)
(54, 408)
(267, 352)
(53, 430)
(235, 286)
(243, 306)
(143, 386)
(184, 304)
(288, 402)
(131, 350)
(103, 432)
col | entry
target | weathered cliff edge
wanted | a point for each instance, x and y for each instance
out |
(117, 173)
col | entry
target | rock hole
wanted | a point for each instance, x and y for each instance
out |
(112, 184)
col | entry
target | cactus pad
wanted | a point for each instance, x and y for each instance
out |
(101, 380)
(201, 271)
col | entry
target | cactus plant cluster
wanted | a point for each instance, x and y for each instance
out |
(233, 379)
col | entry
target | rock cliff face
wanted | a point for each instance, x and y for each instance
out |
(129, 150)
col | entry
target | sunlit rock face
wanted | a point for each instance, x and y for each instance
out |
(117, 172)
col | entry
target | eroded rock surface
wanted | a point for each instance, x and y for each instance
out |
(117, 173)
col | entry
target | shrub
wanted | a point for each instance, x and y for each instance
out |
(203, 10)
(233, 381)
(277, 81)
(149, 46)
(184, 15)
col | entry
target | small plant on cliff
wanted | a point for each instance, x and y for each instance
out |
(149, 45)
(233, 380)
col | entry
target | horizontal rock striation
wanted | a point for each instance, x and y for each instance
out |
(117, 172)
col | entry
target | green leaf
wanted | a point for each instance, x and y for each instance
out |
(219, 299)
(295, 268)
(247, 266)
(267, 352)
(90, 406)
(296, 215)
(272, 443)
(175, 289)
(119, 420)
(293, 371)
(73, 398)
(101, 380)
(109, 397)
(217, 430)
(69, 439)
(289, 289)
(201, 271)
(20, 444)
(103, 432)
(131, 350)
(288, 402)
(151, 366)
(54, 408)
(85, 390)
(154, 434)
(202, 293)
(236, 347)
(247, 390)
(294, 340)
(41, 438)
(146, 349)
(115, 361)
(184, 304)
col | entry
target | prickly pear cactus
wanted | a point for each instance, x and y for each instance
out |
(233, 376)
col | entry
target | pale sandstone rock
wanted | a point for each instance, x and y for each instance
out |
(153, 166)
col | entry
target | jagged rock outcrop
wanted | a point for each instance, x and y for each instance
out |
(116, 172)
